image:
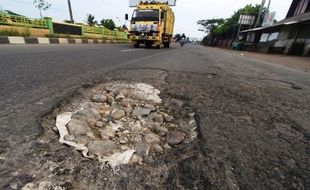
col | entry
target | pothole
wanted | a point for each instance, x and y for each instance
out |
(122, 123)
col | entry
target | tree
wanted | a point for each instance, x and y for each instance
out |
(90, 20)
(226, 28)
(210, 24)
(42, 5)
(108, 23)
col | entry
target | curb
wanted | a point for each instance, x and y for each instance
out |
(15, 40)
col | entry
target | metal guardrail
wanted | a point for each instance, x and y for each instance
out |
(21, 21)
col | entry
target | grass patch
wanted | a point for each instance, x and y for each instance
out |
(14, 32)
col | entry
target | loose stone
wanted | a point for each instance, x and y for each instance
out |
(117, 114)
(175, 137)
(141, 112)
(152, 138)
(100, 98)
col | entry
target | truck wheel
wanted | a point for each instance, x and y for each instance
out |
(137, 45)
(167, 45)
(148, 44)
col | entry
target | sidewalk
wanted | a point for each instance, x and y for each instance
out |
(293, 62)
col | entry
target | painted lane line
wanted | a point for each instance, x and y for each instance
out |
(130, 50)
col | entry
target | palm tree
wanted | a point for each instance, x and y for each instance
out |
(91, 20)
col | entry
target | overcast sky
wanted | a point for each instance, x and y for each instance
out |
(187, 11)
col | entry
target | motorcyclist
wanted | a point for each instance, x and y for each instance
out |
(183, 39)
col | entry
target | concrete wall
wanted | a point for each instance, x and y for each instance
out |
(286, 38)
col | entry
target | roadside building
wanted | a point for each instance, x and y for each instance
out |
(289, 36)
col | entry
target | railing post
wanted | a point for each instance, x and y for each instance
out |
(83, 30)
(115, 33)
(49, 25)
(101, 30)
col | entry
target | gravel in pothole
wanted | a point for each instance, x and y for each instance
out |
(121, 123)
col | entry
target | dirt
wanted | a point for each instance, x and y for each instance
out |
(293, 62)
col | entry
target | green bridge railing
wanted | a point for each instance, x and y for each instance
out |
(47, 23)
(21, 21)
(105, 32)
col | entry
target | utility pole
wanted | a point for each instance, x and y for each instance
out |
(1, 9)
(268, 5)
(70, 12)
(260, 13)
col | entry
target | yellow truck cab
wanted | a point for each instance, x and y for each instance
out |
(152, 23)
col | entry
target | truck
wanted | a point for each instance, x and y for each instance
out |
(152, 24)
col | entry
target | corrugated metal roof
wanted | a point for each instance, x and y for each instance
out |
(296, 19)
(288, 21)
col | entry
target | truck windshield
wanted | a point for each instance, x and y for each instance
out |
(146, 15)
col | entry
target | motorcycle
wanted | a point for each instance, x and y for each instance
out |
(182, 42)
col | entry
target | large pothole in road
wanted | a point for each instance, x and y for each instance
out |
(122, 123)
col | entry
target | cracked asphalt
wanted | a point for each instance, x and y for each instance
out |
(254, 117)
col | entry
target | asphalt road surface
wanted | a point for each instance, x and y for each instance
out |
(254, 117)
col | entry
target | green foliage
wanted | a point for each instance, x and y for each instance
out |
(42, 5)
(90, 20)
(210, 24)
(108, 23)
(226, 28)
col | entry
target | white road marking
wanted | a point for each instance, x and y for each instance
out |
(129, 50)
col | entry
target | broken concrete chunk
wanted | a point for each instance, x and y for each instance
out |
(175, 137)
(135, 126)
(102, 147)
(162, 131)
(141, 112)
(142, 149)
(88, 115)
(108, 133)
(99, 124)
(77, 128)
(158, 148)
(169, 118)
(120, 97)
(136, 159)
(156, 118)
(117, 114)
(150, 107)
(100, 98)
(152, 138)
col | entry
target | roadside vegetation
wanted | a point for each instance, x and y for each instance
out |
(221, 28)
